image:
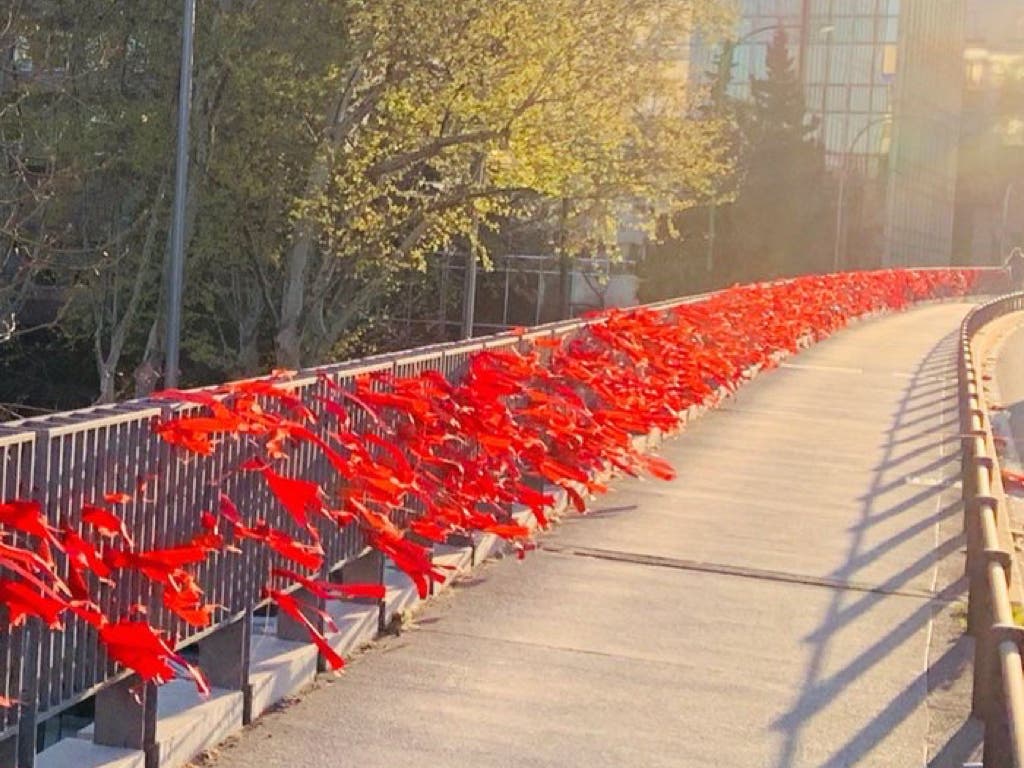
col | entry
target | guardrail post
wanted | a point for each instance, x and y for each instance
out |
(27, 647)
(295, 631)
(368, 569)
(126, 717)
(9, 751)
(224, 657)
(969, 488)
(985, 693)
(999, 747)
(979, 614)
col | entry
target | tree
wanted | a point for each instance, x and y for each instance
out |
(557, 98)
(338, 146)
(780, 222)
(686, 256)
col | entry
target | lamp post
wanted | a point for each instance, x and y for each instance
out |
(826, 33)
(1011, 187)
(844, 168)
(176, 265)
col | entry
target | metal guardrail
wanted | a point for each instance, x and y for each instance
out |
(70, 459)
(998, 692)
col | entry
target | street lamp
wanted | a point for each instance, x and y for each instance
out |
(826, 33)
(843, 170)
(176, 265)
(1011, 187)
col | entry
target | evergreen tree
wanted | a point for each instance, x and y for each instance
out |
(780, 220)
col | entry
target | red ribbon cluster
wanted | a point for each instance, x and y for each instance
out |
(452, 457)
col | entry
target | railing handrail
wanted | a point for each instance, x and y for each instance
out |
(998, 694)
(89, 447)
(460, 346)
(128, 409)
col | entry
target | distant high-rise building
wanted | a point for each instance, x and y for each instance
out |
(884, 79)
(990, 189)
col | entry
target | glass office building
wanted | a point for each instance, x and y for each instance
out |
(884, 79)
(990, 193)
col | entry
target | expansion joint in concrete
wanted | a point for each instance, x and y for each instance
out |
(740, 571)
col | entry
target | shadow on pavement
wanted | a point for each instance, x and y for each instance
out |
(950, 743)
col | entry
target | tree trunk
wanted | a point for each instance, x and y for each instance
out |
(107, 364)
(288, 341)
(147, 372)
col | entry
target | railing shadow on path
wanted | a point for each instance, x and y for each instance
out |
(935, 379)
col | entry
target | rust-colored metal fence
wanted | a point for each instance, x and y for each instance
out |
(998, 694)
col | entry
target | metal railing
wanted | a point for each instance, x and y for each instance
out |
(998, 692)
(70, 459)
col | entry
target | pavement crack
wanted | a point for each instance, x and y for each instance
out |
(562, 648)
(740, 571)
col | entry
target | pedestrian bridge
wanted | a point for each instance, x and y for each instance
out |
(794, 596)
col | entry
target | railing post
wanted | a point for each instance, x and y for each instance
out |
(295, 631)
(9, 751)
(224, 657)
(369, 569)
(126, 717)
(999, 747)
(985, 694)
(979, 613)
(27, 647)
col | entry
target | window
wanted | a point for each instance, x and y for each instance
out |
(889, 61)
(22, 56)
(880, 98)
(836, 99)
(860, 98)
(975, 73)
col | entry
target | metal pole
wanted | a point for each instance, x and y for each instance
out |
(176, 272)
(711, 236)
(442, 310)
(840, 200)
(805, 23)
(1006, 212)
(827, 32)
(469, 295)
(564, 264)
(504, 310)
(839, 216)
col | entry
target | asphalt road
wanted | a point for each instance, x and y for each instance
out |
(788, 600)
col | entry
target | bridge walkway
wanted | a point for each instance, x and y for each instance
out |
(791, 599)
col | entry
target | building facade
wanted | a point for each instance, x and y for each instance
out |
(990, 188)
(884, 80)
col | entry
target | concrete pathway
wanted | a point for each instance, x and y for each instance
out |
(789, 600)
